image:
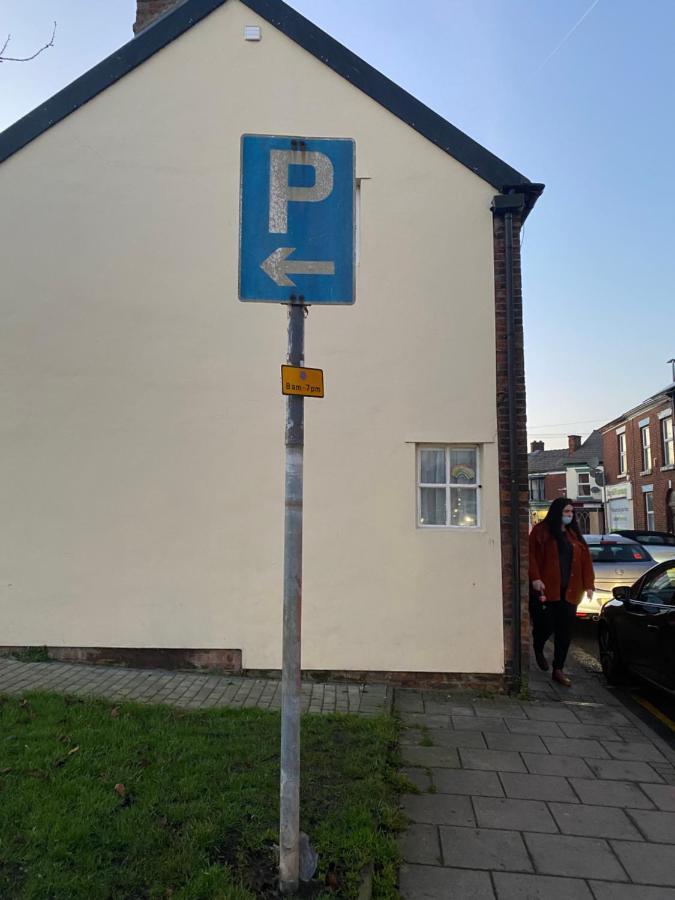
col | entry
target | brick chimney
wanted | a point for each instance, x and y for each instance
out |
(149, 10)
(536, 446)
(573, 443)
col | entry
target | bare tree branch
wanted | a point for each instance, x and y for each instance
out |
(4, 58)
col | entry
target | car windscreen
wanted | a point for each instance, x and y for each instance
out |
(616, 553)
(667, 539)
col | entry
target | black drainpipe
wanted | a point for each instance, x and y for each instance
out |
(507, 206)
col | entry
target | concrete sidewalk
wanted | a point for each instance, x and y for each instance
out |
(189, 690)
(565, 796)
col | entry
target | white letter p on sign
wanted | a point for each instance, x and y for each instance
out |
(281, 192)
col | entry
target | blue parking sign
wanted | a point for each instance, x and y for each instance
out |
(296, 230)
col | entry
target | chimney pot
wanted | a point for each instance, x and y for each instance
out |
(536, 446)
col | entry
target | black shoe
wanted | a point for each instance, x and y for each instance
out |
(542, 662)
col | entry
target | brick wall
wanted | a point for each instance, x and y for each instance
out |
(661, 479)
(503, 443)
(555, 486)
(149, 10)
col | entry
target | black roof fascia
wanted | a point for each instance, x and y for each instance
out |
(299, 29)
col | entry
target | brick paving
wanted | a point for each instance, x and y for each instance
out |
(189, 690)
(565, 796)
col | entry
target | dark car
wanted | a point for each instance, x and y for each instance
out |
(616, 561)
(660, 544)
(637, 629)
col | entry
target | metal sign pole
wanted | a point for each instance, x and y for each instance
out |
(289, 818)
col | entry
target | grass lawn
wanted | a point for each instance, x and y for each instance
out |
(136, 801)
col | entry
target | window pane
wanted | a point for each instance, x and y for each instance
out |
(432, 466)
(463, 466)
(432, 506)
(463, 507)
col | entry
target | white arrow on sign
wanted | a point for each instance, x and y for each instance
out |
(279, 267)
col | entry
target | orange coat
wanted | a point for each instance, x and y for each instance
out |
(545, 564)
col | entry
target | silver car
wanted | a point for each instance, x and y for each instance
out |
(617, 561)
(659, 544)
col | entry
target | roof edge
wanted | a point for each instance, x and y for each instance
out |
(310, 37)
(388, 94)
(149, 41)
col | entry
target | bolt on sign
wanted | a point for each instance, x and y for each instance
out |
(301, 382)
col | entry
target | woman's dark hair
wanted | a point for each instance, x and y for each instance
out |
(553, 520)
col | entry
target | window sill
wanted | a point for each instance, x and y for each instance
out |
(456, 529)
(668, 468)
(622, 475)
(646, 472)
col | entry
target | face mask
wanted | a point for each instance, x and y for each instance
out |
(566, 520)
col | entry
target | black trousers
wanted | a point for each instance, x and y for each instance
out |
(552, 618)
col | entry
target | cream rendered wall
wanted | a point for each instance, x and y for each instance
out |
(141, 419)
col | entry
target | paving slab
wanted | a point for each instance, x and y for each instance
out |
(519, 815)
(537, 787)
(492, 760)
(647, 863)
(420, 844)
(658, 827)
(530, 726)
(604, 890)
(446, 737)
(422, 720)
(409, 701)
(463, 781)
(642, 751)
(499, 709)
(484, 848)
(624, 771)
(583, 857)
(478, 723)
(590, 732)
(576, 747)
(510, 886)
(551, 764)
(602, 716)
(438, 757)
(519, 742)
(440, 809)
(550, 713)
(661, 795)
(434, 883)
(447, 708)
(419, 777)
(611, 793)
(594, 821)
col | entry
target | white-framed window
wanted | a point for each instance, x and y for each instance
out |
(645, 440)
(649, 510)
(667, 441)
(584, 484)
(621, 445)
(448, 486)
(537, 487)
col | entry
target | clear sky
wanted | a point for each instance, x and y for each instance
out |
(578, 94)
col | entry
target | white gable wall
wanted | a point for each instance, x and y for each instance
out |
(140, 410)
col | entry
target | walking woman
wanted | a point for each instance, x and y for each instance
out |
(560, 571)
